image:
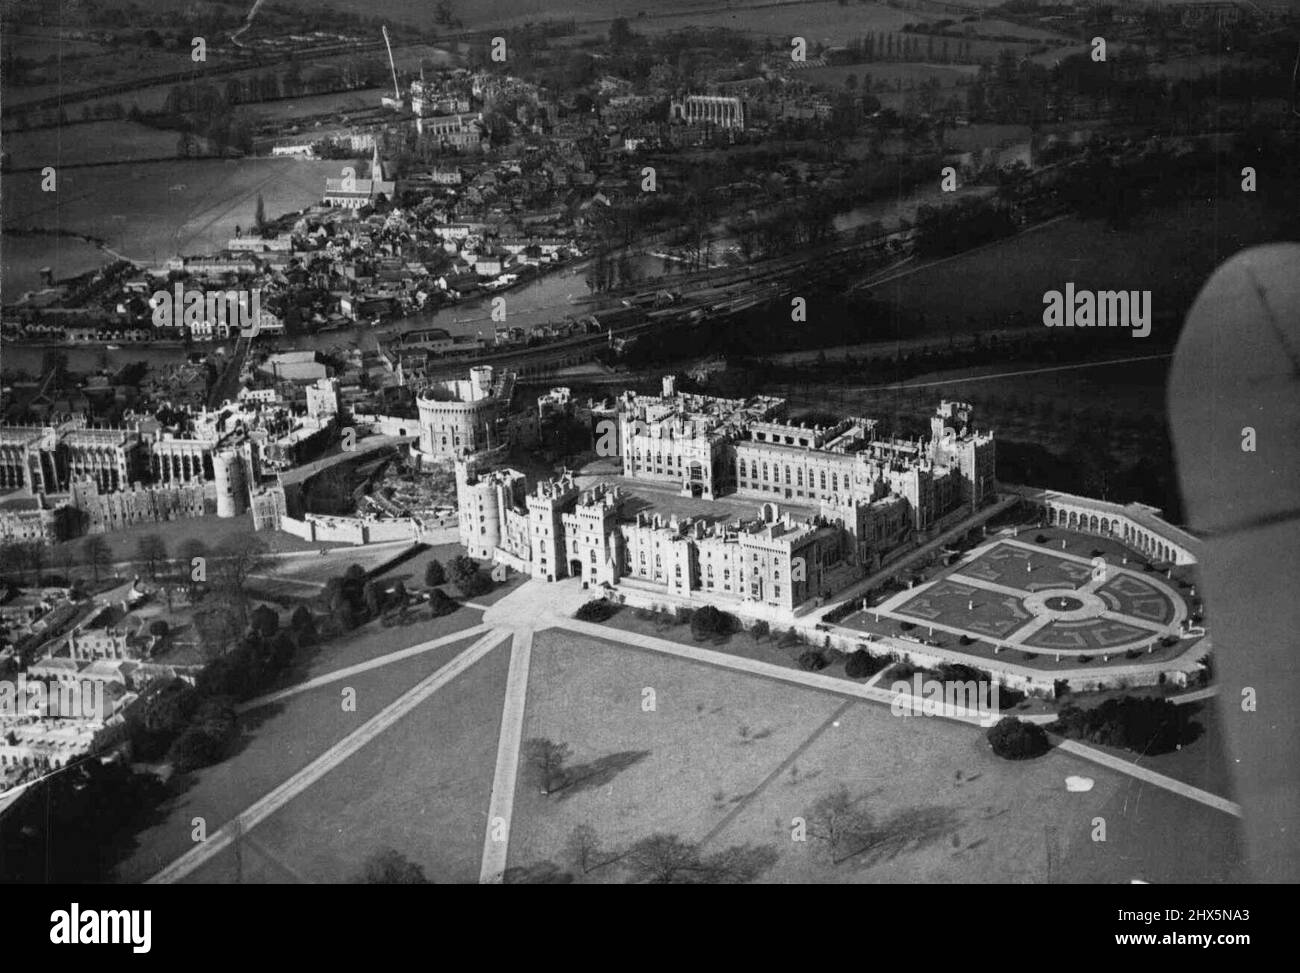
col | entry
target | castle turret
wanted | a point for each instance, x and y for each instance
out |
(230, 471)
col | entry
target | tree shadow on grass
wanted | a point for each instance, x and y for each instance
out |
(907, 830)
(538, 873)
(597, 773)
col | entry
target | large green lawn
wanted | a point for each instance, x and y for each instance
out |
(711, 739)
(422, 789)
(276, 742)
(733, 760)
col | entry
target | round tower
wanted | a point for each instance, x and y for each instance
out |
(232, 482)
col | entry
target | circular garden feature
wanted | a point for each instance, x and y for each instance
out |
(1063, 603)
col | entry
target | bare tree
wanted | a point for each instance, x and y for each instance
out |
(844, 828)
(583, 850)
(547, 760)
(389, 867)
(152, 550)
(9, 554)
(37, 557)
(97, 554)
(235, 560)
(665, 859)
(848, 830)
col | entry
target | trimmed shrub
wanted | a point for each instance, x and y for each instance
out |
(468, 578)
(1145, 724)
(862, 663)
(709, 621)
(206, 740)
(1016, 740)
(596, 610)
(441, 604)
(813, 661)
(265, 621)
(903, 670)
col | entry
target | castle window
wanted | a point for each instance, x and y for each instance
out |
(823, 479)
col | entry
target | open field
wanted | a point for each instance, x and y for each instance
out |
(956, 812)
(910, 74)
(340, 103)
(713, 737)
(276, 742)
(150, 211)
(89, 142)
(23, 256)
(80, 65)
(825, 22)
(973, 817)
(1170, 253)
(152, 97)
(421, 789)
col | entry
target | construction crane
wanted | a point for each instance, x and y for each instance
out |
(396, 100)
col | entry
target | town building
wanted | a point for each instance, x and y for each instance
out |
(724, 111)
(349, 192)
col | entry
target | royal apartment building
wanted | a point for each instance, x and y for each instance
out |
(831, 503)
